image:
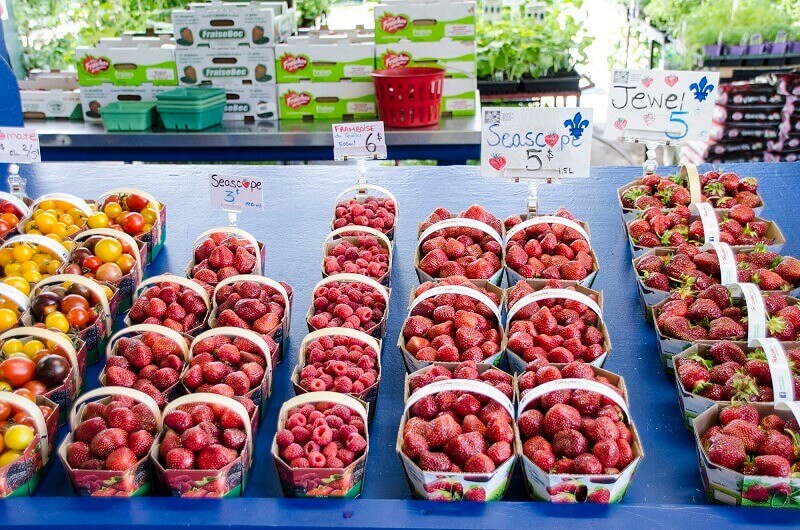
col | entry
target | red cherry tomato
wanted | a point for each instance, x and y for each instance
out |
(136, 203)
(37, 387)
(91, 264)
(131, 222)
(17, 370)
(78, 317)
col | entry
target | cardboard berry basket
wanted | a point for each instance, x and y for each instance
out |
(481, 284)
(580, 294)
(451, 486)
(459, 222)
(64, 394)
(230, 481)
(341, 482)
(137, 330)
(481, 368)
(360, 192)
(572, 488)
(135, 481)
(180, 282)
(11, 296)
(692, 405)
(280, 334)
(22, 206)
(77, 202)
(42, 243)
(21, 477)
(411, 362)
(260, 247)
(370, 394)
(650, 297)
(727, 486)
(668, 347)
(528, 221)
(773, 233)
(336, 236)
(379, 330)
(96, 335)
(157, 236)
(260, 394)
(128, 282)
(615, 379)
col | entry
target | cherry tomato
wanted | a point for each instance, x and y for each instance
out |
(92, 263)
(7, 207)
(5, 411)
(126, 262)
(73, 269)
(37, 387)
(108, 249)
(78, 317)
(17, 370)
(136, 203)
(4, 227)
(73, 300)
(27, 394)
(46, 411)
(110, 199)
(109, 272)
(18, 437)
(131, 222)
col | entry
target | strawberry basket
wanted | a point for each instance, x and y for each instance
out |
(733, 469)
(95, 333)
(536, 325)
(156, 236)
(361, 205)
(256, 303)
(542, 371)
(496, 294)
(370, 298)
(320, 467)
(171, 301)
(438, 331)
(21, 476)
(112, 431)
(217, 256)
(198, 466)
(443, 455)
(326, 363)
(148, 358)
(467, 370)
(364, 251)
(62, 381)
(549, 428)
(726, 372)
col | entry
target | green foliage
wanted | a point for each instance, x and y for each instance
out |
(667, 15)
(516, 47)
(308, 11)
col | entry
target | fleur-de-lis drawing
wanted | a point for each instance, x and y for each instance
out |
(576, 125)
(702, 89)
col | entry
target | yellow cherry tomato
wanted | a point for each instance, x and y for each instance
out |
(31, 347)
(76, 213)
(69, 245)
(29, 266)
(112, 210)
(6, 255)
(60, 229)
(13, 346)
(19, 283)
(147, 227)
(53, 266)
(45, 222)
(47, 205)
(7, 319)
(64, 206)
(54, 237)
(9, 304)
(13, 269)
(22, 253)
(66, 218)
(150, 215)
(41, 259)
(98, 220)
(107, 290)
(9, 456)
(18, 437)
(108, 249)
(32, 277)
(57, 320)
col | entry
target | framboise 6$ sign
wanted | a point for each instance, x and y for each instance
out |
(236, 193)
(536, 143)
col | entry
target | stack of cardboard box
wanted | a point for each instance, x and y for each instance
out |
(50, 95)
(232, 45)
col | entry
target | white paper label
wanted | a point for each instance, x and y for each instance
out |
(756, 312)
(19, 145)
(365, 139)
(536, 143)
(661, 105)
(782, 385)
(728, 271)
(709, 219)
(236, 193)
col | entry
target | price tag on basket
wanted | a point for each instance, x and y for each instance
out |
(660, 105)
(359, 140)
(19, 145)
(236, 194)
(536, 143)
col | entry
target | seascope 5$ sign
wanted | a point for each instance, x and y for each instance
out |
(536, 143)
(661, 105)
(236, 193)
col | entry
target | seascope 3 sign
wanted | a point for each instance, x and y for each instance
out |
(536, 143)
(661, 105)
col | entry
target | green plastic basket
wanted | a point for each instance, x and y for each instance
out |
(191, 109)
(128, 115)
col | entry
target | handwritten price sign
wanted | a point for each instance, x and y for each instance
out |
(236, 193)
(527, 142)
(19, 146)
(662, 105)
(353, 140)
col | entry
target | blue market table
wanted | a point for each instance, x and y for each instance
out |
(666, 492)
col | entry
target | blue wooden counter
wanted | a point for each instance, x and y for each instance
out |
(666, 492)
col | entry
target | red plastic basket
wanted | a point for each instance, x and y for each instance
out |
(409, 97)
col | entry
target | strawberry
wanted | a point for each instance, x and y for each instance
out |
(243, 261)
(789, 270)
(106, 441)
(432, 262)
(725, 328)
(434, 461)
(727, 451)
(120, 459)
(215, 456)
(462, 447)
(750, 435)
(88, 429)
(479, 463)
(442, 429)
(772, 466)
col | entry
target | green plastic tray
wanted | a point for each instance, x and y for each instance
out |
(192, 120)
(128, 115)
(194, 94)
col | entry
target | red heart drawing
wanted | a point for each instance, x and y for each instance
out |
(671, 80)
(647, 81)
(497, 162)
(246, 183)
(621, 123)
(649, 118)
(551, 139)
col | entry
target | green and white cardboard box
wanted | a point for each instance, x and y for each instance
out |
(50, 97)
(251, 103)
(424, 21)
(225, 67)
(459, 97)
(128, 61)
(326, 60)
(327, 100)
(93, 98)
(229, 24)
(456, 57)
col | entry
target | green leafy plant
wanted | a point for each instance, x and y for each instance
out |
(308, 11)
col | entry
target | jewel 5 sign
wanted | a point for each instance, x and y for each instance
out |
(536, 143)
(661, 105)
